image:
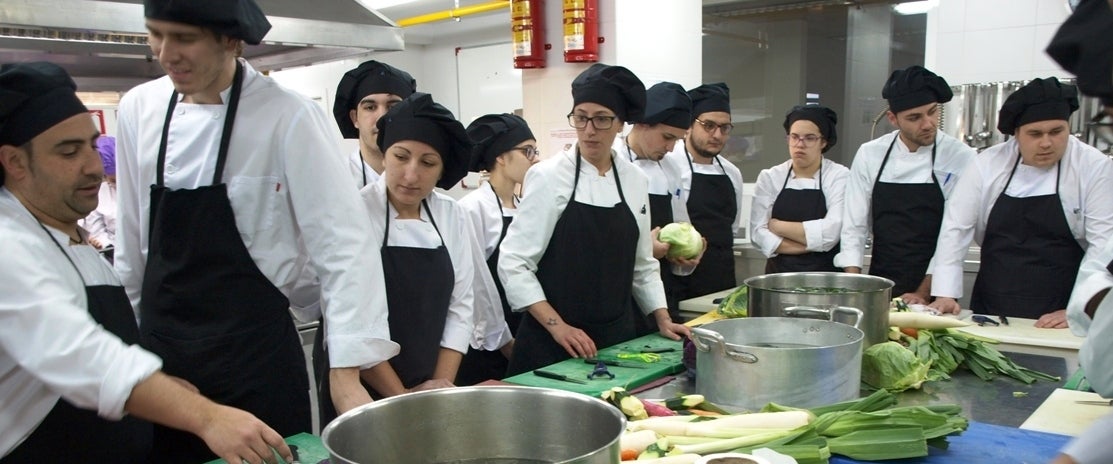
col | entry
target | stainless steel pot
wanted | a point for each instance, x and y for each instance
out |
(779, 295)
(748, 362)
(503, 425)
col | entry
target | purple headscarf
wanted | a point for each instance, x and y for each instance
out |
(106, 145)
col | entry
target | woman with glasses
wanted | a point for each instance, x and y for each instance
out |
(796, 217)
(579, 253)
(504, 148)
(429, 254)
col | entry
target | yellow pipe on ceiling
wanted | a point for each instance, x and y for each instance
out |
(455, 13)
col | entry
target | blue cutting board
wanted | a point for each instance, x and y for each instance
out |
(988, 444)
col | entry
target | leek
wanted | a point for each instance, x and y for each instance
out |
(877, 445)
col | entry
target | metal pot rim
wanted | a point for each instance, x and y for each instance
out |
(756, 282)
(858, 336)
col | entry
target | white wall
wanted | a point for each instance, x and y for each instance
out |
(973, 41)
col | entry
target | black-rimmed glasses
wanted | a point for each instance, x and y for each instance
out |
(580, 121)
(531, 152)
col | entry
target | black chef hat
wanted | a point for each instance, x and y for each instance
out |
(614, 87)
(668, 103)
(708, 98)
(493, 135)
(1039, 100)
(419, 118)
(915, 86)
(1083, 47)
(367, 78)
(240, 19)
(823, 117)
(33, 98)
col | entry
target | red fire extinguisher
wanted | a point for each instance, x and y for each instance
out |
(527, 26)
(581, 31)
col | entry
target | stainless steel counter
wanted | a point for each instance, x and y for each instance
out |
(990, 402)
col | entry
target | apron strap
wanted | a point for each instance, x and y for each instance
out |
(225, 135)
(425, 204)
(885, 160)
(576, 179)
(63, 250)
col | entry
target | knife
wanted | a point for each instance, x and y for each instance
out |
(1096, 402)
(555, 376)
(611, 362)
(294, 453)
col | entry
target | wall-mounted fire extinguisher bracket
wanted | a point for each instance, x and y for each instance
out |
(527, 29)
(581, 31)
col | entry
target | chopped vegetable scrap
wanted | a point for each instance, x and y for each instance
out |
(870, 428)
(734, 305)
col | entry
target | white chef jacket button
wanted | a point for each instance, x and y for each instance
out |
(399, 226)
(216, 115)
(181, 111)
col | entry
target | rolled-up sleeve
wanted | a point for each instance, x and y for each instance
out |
(46, 329)
(824, 233)
(545, 195)
(334, 230)
(761, 210)
(856, 212)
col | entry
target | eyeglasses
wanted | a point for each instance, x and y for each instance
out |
(809, 140)
(710, 126)
(580, 121)
(530, 152)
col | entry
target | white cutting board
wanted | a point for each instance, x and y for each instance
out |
(1060, 414)
(1024, 332)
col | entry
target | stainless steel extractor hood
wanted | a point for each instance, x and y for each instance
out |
(103, 44)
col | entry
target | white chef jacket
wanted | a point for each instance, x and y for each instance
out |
(664, 177)
(1085, 190)
(821, 234)
(463, 250)
(677, 161)
(904, 167)
(362, 172)
(290, 194)
(50, 347)
(1095, 444)
(548, 187)
(481, 206)
(101, 223)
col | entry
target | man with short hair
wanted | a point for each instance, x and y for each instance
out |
(74, 387)
(1035, 204)
(668, 114)
(363, 96)
(899, 184)
(710, 191)
(249, 203)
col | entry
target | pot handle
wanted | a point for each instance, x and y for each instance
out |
(829, 314)
(704, 338)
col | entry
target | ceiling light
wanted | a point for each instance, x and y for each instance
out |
(911, 8)
(380, 4)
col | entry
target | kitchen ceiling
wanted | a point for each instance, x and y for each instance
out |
(103, 43)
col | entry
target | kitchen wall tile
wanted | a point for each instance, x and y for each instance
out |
(952, 15)
(1052, 11)
(950, 52)
(1040, 59)
(999, 50)
(997, 14)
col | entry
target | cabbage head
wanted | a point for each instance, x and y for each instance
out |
(683, 239)
(893, 367)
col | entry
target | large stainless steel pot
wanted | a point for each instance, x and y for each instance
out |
(748, 362)
(503, 425)
(778, 295)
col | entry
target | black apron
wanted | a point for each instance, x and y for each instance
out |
(712, 208)
(799, 206)
(660, 215)
(72, 434)
(209, 312)
(480, 365)
(906, 220)
(587, 274)
(419, 283)
(1029, 235)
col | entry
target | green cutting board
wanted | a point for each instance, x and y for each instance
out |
(626, 377)
(310, 449)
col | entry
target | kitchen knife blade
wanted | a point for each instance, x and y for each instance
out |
(611, 362)
(294, 454)
(1096, 402)
(555, 376)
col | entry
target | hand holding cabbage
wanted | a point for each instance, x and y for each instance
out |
(685, 242)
